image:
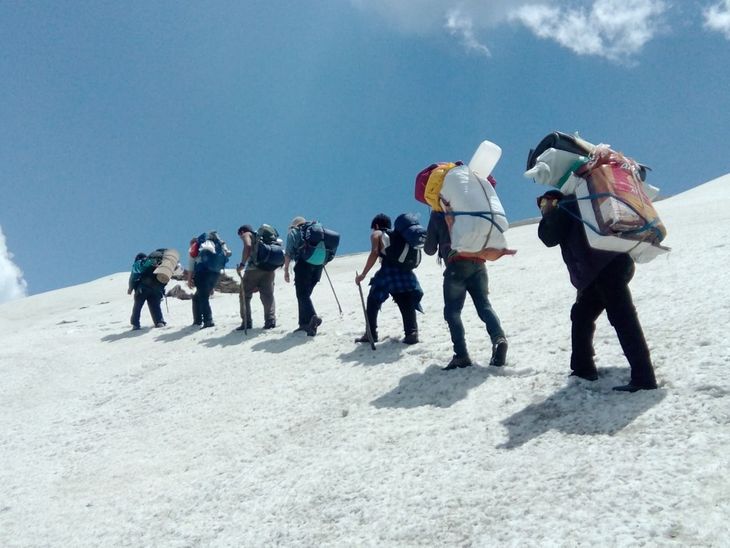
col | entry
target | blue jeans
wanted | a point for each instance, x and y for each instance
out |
(460, 278)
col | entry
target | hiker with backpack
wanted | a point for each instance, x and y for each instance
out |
(262, 255)
(189, 273)
(146, 288)
(602, 282)
(210, 255)
(465, 272)
(396, 277)
(310, 245)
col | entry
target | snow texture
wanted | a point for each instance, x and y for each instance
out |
(186, 437)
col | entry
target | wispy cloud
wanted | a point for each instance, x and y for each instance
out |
(12, 284)
(717, 17)
(613, 29)
(462, 26)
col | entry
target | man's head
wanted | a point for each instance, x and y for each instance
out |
(243, 229)
(380, 222)
(549, 200)
(296, 221)
(140, 256)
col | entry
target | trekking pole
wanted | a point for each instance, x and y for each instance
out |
(243, 305)
(333, 289)
(166, 307)
(365, 313)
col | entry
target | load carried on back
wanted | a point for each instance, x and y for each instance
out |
(318, 244)
(613, 198)
(403, 243)
(166, 265)
(268, 251)
(154, 270)
(465, 195)
(211, 252)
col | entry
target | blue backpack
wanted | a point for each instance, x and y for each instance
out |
(213, 261)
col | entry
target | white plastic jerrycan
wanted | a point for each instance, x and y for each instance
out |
(485, 158)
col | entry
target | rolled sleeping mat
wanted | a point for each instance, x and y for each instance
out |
(170, 258)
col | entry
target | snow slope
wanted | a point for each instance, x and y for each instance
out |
(180, 437)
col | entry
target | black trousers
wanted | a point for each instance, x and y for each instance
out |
(406, 301)
(610, 292)
(204, 283)
(153, 298)
(306, 276)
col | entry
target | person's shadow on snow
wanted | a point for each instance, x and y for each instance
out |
(582, 408)
(128, 334)
(387, 351)
(171, 336)
(434, 387)
(282, 344)
(231, 338)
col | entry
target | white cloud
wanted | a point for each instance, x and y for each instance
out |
(462, 19)
(12, 284)
(614, 29)
(717, 18)
(425, 16)
(462, 26)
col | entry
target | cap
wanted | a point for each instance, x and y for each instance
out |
(296, 221)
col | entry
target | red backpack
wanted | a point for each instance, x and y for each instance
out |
(422, 180)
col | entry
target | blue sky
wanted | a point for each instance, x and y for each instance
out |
(127, 126)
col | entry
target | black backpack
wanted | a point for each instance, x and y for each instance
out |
(267, 252)
(406, 240)
(314, 236)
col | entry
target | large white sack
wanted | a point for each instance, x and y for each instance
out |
(464, 192)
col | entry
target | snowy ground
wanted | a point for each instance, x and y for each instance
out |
(180, 437)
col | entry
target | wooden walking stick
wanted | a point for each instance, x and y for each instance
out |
(242, 306)
(365, 313)
(333, 289)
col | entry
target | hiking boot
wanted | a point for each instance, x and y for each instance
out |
(314, 323)
(499, 352)
(242, 327)
(458, 362)
(269, 324)
(632, 387)
(136, 328)
(587, 375)
(411, 338)
(160, 324)
(364, 339)
(207, 324)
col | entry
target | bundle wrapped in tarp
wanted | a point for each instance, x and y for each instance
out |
(613, 198)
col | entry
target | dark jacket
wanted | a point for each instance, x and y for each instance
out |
(562, 226)
(437, 236)
(142, 276)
